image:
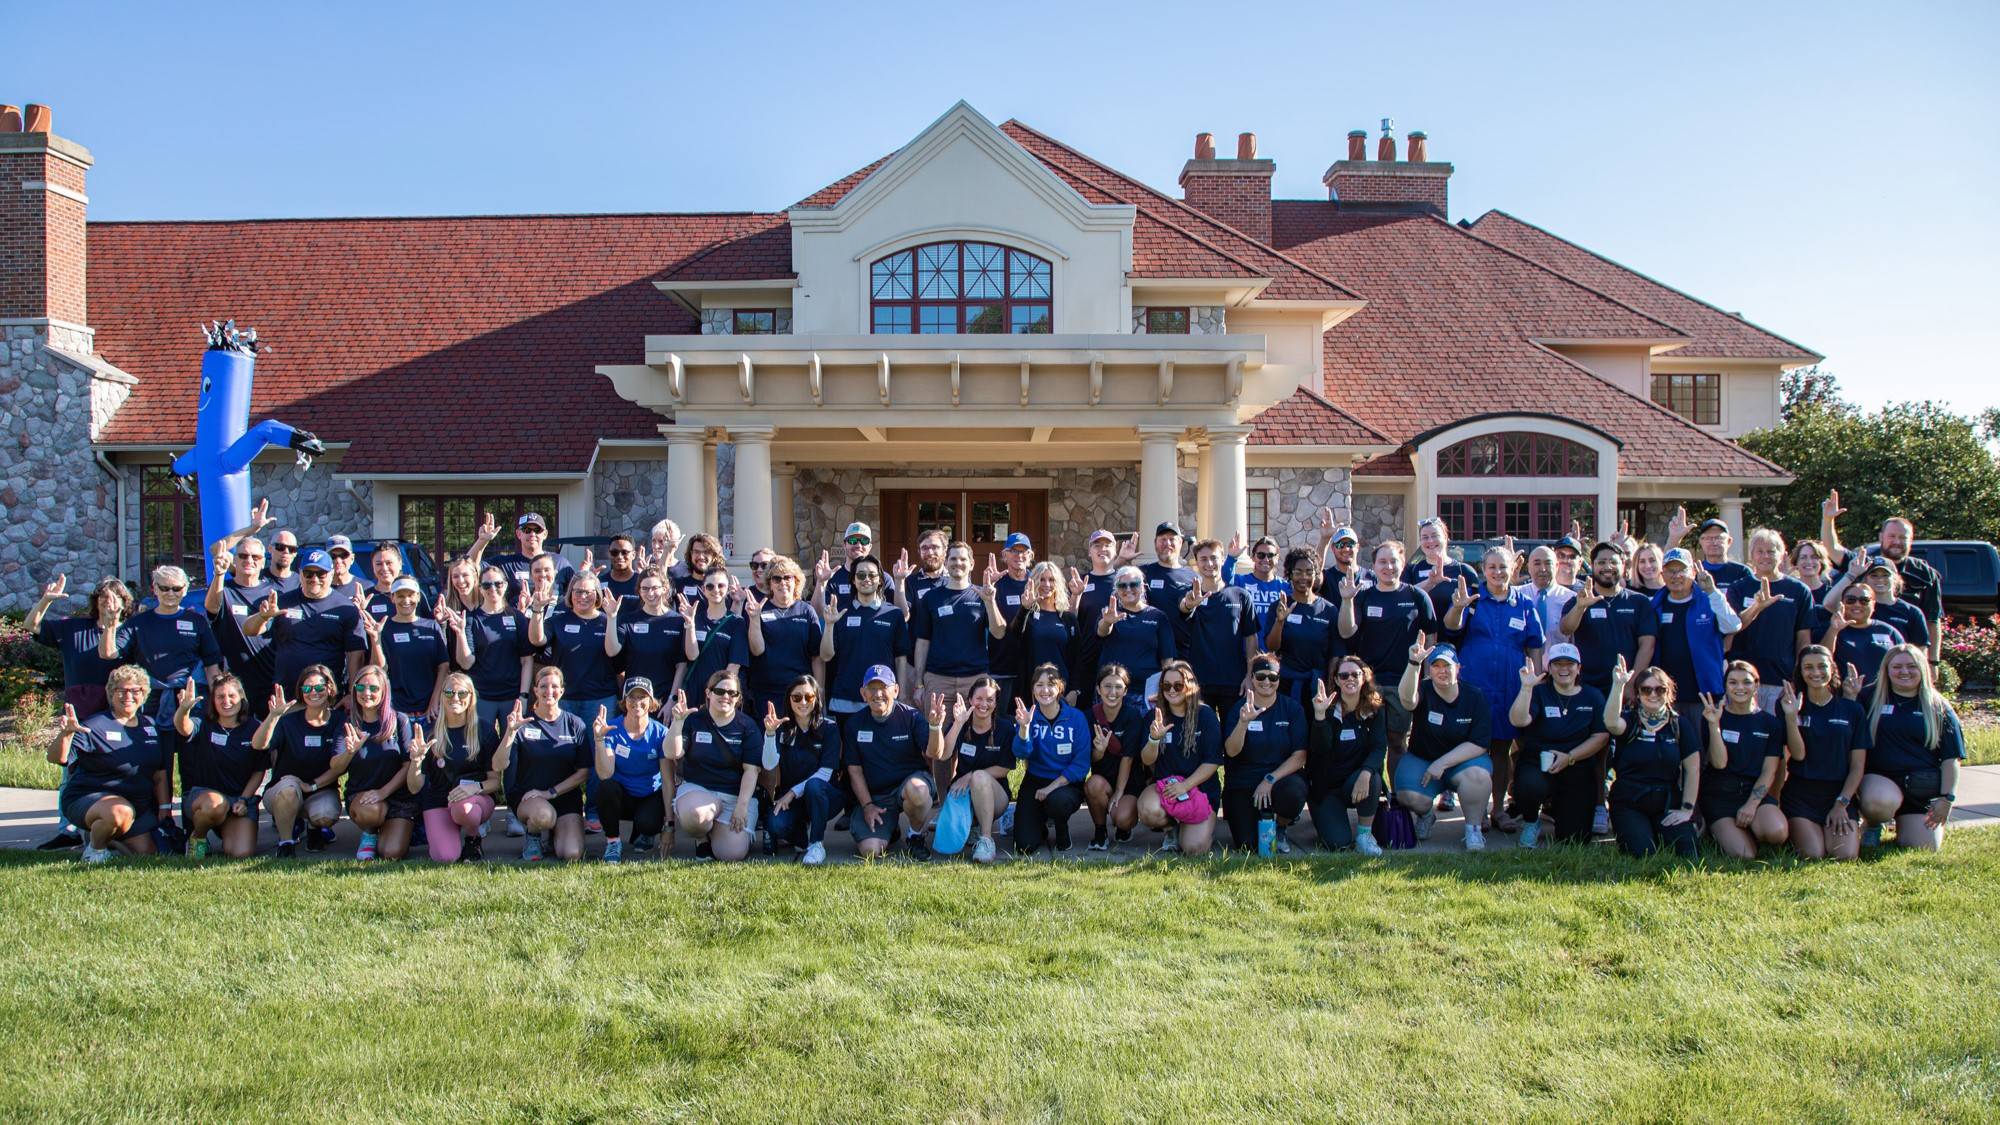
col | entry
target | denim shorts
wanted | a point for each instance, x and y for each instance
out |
(1410, 773)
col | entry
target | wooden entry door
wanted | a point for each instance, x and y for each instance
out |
(982, 517)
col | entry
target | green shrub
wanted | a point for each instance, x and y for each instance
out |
(1972, 649)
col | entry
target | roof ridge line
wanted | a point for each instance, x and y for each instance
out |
(1194, 212)
(1615, 263)
(1556, 273)
(1661, 410)
(435, 218)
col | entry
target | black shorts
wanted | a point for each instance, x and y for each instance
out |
(566, 804)
(1108, 770)
(1807, 799)
(228, 800)
(1920, 788)
(1723, 794)
(145, 818)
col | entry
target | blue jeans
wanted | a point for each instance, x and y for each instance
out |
(822, 803)
(586, 709)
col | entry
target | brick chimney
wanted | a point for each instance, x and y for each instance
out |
(1385, 183)
(1236, 192)
(41, 219)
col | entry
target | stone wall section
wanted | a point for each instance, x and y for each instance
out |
(1291, 511)
(628, 496)
(1379, 516)
(60, 505)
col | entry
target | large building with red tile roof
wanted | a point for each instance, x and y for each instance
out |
(986, 331)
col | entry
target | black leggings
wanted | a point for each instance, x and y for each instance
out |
(1571, 795)
(648, 814)
(1032, 815)
(1636, 816)
(1288, 799)
(1329, 804)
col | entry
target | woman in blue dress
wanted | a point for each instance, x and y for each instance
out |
(1499, 629)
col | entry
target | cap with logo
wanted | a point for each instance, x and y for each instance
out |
(1345, 535)
(859, 530)
(316, 559)
(1569, 543)
(635, 685)
(1564, 651)
(879, 674)
(1168, 527)
(1678, 555)
(1018, 539)
(1442, 654)
(339, 543)
(532, 519)
(1711, 524)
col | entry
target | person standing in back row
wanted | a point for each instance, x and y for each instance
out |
(1168, 580)
(1922, 586)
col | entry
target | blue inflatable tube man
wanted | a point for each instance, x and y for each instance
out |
(224, 441)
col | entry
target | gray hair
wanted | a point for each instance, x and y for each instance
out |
(667, 529)
(170, 576)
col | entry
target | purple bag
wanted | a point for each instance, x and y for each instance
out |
(1395, 828)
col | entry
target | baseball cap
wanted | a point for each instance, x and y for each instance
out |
(1564, 651)
(1446, 653)
(1100, 533)
(1877, 562)
(1347, 534)
(637, 684)
(339, 543)
(316, 559)
(1018, 539)
(1678, 555)
(1710, 524)
(405, 583)
(860, 530)
(878, 674)
(1167, 528)
(532, 519)
(1606, 544)
(1569, 542)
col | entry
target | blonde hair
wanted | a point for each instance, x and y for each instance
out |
(1771, 537)
(128, 673)
(1933, 704)
(472, 723)
(783, 566)
(1062, 587)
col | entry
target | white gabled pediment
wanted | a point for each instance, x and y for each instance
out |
(949, 139)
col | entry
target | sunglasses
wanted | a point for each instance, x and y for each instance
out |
(458, 695)
(715, 589)
(1855, 601)
(314, 689)
(1652, 689)
(500, 585)
(1265, 555)
(618, 553)
(804, 697)
(1347, 675)
(284, 546)
(1174, 686)
(725, 693)
(367, 689)
(1265, 677)
(1130, 585)
(170, 589)
(857, 542)
(756, 564)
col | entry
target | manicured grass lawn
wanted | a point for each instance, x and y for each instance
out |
(24, 768)
(1982, 746)
(1556, 985)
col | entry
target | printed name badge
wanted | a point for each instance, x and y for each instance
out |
(1257, 724)
(854, 622)
(1062, 749)
(572, 628)
(296, 614)
(1374, 611)
(844, 588)
(967, 750)
(1517, 623)
(703, 736)
(768, 616)
(1666, 617)
(642, 628)
(312, 740)
(532, 734)
(1013, 599)
(184, 626)
(218, 739)
(1347, 735)
(625, 751)
(1881, 640)
(944, 611)
(1552, 712)
(1436, 718)
(404, 638)
(700, 636)
(1294, 618)
(1732, 736)
(114, 736)
(1158, 583)
(864, 736)
(1597, 612)
(1888, 708)
(240, 610)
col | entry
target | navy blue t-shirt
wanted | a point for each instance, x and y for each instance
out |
(248, 657)
(1176, 757)
(1899, 738)
(802, 753)
(1671, 652)
(221, 758)
(1312, 637)
(1832, 731)
(1438, 726)
(576, 645)
(111, 758)
(888, 750)
(791, 644)
(1046, 636)
(1726, 573)
(459, 765)
(954, 622)
(1165, 587)
(1344, 742)
(308, 631)
(1143, 642)
(1271, 737)
(1386, 624)
(1009, 593)
(718, 644)
(1419, 570)
(650, 646)
(918, 584)
(975, 751)
(172, 646)
(1865, 647)
(498, 642)
(1097, 593)
(77, 638)
(517, 567)
(1128, 729)
(299, 749)
(1563, 722)
(1221, 623)
(415, 650)
(379, 605)
(547, 751)
(713, 754)
(376, 761)
(1770, 643)
(1611, 628)
(1908, 620)
(1642, 759)
(864, 636)
(1750, 740)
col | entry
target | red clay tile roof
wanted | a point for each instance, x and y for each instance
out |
(759, 255)
(1307, 419)
(1448, 334)
(1715, 334)
(374, 324)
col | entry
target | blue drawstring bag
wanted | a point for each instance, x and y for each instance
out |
(954, 824)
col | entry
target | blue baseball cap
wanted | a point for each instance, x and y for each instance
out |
(339, 543)
(1018, 539)
(1677, 555)
(1442, 652)
(1569, 543)
(879, 674)
(316, 559)
(1346, 533)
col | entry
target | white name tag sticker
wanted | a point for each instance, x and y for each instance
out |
(864, 736)
(625, 751)
(1158, 583)
(700, 636)
(184, 626)
(1347, 735)
(1436, 719)
(1881, 640)
(1888, 708)
(1013, 599)
(296, 614)
(853, 622)
(532, 734)
(114, 736)
(703, 736)
(643, 627)
(312, 740)
(1374, 611)
(944, 611)
(1063, 749)
(400, 638)
(968, 750)
(572, 628)
(240, 610)
(1667, 617)
(1598, 612)
(1552, 712)
(1257, 724)
(1732, 736)
(768, 616)
(1517, 623)
(1294, 618)
(843, 588)
(219, 739)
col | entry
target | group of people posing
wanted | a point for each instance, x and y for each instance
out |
(1653, 692)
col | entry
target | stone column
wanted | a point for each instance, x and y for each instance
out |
(685, 494)
(753, 525)
(784, 516)
(711, 518)
(1204, 490)
(1229, 504)
(1159, 479)
(1732, 514)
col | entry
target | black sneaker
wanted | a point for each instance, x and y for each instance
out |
(770, 845)
(473, 850)
(703, 853)
(287, 849)
(1100, 841)
(318, 838)
(914, 844)
(60, 842)
(1124, 836)
(645, 843)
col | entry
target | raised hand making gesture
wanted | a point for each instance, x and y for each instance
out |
(1788, 701)
(601, 724)
(1829, 508)
(1322, 699)
(1349, 587)
(70, 726)
(1711, 709)
(771, 720)
(678, 710)
(1021, 715)
(59, 585)
(1461, 596)
(1075, 586)
(1420, 648)
(901, 567)
(1529, 676)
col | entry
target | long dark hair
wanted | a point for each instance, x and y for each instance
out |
(991, 738)
(1190, 695)
(791, 717)
(1370, 697)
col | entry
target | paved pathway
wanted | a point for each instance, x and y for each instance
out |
(28, 816)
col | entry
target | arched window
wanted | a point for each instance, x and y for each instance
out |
(952, 287)
(1519, 454)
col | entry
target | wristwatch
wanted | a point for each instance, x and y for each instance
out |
(1841, 800)
(1952, 797)
(1687, 806)
(1270, 779)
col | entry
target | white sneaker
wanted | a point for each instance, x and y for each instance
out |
(1475, 838)
(984, 851)
(95, 855)
(815, 855)
(1425, 823)
(514, 826)
(1365, 843)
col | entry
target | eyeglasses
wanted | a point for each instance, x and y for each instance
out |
(130, 691)
(1174, 686)
(314, 689)
(500, 585)
(715, 589)
(1129, 585)
(725, 693)
(1265, 677)
(458, 695)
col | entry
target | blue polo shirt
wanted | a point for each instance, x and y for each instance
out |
(635, 758)
(173, 645)
(889, 750)
(864, 636)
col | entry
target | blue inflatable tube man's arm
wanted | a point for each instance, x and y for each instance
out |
(225, 443)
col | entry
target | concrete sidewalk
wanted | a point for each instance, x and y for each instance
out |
(28, 816)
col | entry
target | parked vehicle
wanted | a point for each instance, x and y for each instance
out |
(1970, 571)
(572, 548)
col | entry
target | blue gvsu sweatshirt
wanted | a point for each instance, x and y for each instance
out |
(1709, 618)
(1058, 747)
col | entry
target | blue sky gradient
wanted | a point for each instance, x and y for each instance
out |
(1826, 169)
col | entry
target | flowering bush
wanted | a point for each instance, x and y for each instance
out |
(25, 665)
(1972, 647)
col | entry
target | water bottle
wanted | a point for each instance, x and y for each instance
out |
(1267, 834)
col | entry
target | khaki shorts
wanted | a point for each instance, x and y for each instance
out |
(949, 685)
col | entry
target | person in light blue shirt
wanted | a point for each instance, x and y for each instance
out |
(632, 767)
(1264, 580)
(1053, 739)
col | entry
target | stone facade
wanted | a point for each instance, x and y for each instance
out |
(1379, 516)
(61, 506)
(628, 496)
(1291, 511)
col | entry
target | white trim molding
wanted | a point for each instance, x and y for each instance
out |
(55, 189)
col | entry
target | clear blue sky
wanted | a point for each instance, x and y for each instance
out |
(1826, 169)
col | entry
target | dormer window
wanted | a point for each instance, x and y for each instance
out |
(953, 287)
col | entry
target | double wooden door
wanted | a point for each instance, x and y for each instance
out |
(982, 517)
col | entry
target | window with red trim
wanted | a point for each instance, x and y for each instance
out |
(1517, 454)
(446, 526)
(1523, 517)
(954, 287)
(1698, 398)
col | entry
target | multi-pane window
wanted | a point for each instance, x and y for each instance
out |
(954, 287)
(1523, 517)
(169, 520)
(1166, 322)
(755, 322)
(1698, 398)
(447, 525)
(1517, 455)
(1259, 503)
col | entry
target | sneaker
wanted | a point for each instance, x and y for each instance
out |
(1448, 802)
(914, 844)
(1872, 837)
(199, 849)
(703, 853)
(1600, 822)
(984, 851)
(531, 847)
(1283, 844)
(61, 841)
(1005, 825)
(1531, 834)
(95, 855)
(1425, 823)
(1124, 836)
(367, 848)
(1475, 838)
(1364, 842)
(287, 849)
(614, 851)
(770, 845)
(645, 843)
(1170, 840)
(515, 827)
(815, 855)
(472, 851)
(318, 838)
(593, 824)
(1100, 841)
